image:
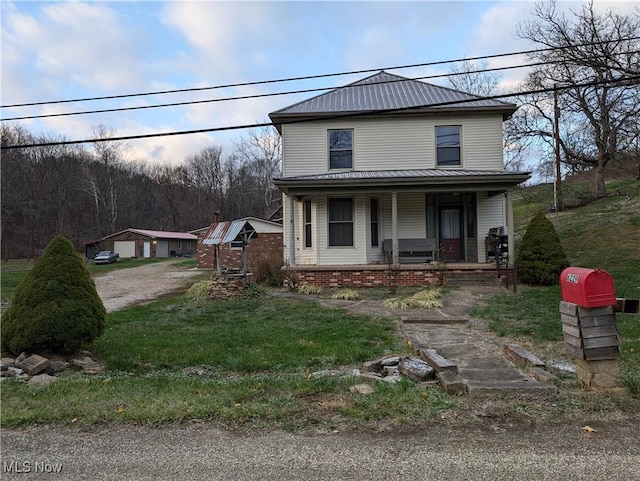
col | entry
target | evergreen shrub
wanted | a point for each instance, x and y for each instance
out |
(541, 257)
(56, 307)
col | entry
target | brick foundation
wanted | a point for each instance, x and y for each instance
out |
(405, 275)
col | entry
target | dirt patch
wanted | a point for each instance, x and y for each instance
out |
(122, 288)
(456, 305)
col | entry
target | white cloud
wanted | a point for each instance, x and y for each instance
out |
(228, 38)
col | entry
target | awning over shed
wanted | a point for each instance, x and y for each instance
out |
(229, 231)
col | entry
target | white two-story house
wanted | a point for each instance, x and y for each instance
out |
(392, 175)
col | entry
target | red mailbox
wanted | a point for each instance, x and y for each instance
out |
(587, 287)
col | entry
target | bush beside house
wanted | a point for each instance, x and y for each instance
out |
(56, 307)
(541, 257)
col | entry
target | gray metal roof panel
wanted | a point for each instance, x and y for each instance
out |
(398, 174)
(384, 91)
(224, 232)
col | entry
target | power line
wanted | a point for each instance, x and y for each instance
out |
(310, 77)
(273, 94)
(622, 80)
(255, 96)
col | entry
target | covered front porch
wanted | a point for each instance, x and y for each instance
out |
(398, 227)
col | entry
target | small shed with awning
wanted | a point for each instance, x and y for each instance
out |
(238, 232)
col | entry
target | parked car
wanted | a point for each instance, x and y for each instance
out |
(106, 257)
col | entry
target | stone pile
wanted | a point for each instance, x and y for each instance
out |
(40, 370)
(386, 369)
(391, 368)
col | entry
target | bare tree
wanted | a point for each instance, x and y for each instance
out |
(105, 179)
(206, 170)
(474, 78)
(593, 64)
(261, 151)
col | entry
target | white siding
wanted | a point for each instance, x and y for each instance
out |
(411, 216)
(491, 213)
(286, 226)
(383, 144)
(263, 227)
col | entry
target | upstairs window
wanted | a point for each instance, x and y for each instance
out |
(341, 149)
(448, 146)
(341, 222)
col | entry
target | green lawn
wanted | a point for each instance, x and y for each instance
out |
(247, 336)
(257, 355)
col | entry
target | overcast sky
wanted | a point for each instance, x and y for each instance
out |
(69, 50)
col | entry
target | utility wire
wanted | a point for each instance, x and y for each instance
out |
(255, 96)
(621, 80)
(310, 77)
(273, 94)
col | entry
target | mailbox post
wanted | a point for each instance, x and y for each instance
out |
(589, 326)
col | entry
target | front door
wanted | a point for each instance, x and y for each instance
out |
(147, 250)
(451, 234)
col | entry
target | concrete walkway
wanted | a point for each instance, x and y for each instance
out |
(478, 355)
(477, 352)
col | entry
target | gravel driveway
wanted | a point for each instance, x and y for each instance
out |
(121, 288)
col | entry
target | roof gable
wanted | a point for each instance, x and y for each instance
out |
(384, 92)
(156, 234)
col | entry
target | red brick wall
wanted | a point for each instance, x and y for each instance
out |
(263, 245)
(366, 278)
(374, 276)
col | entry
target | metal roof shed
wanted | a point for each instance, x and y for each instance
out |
(230, 231)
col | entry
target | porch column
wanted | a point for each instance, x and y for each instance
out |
(510, 229)
(292, 232)
(394, 228)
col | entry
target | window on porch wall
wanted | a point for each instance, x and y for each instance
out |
(341, 222)
(307, 223)
(375, 229)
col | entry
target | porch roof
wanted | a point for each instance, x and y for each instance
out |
(423, 180)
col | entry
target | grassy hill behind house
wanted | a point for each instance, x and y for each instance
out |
(604, 234)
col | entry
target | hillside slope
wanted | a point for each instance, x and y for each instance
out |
(603, 234)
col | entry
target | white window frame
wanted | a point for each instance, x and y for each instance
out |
(457, 146)
(307, 225)
(329, 150)
(342, 222)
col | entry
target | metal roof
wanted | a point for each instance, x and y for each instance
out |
(398, 174)
(380, 180)
(384, 91)
(157, 234)
(224, 232)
